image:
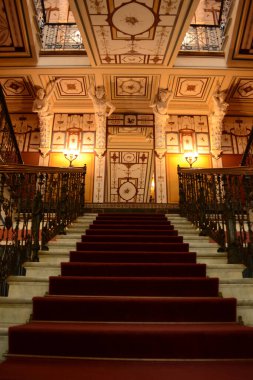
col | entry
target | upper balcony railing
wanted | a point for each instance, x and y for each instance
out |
(208, 38)
(57, 37)
(61, 37)
(203, 38)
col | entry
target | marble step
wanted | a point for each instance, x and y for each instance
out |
(14, 311)
(54, 256)
(19, 311)
(58, 255)
(42, 269)
(70, 236)
(211, 258)
(223, 271)
(77, 229)
(27, 287)
(242, 289)
(3, 341)
(66, 244)
(245, 311)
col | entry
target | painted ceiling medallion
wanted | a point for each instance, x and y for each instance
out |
(133, 18)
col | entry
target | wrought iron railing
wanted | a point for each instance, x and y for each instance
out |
(203, 38)
(219, 202)
(9, 151)
(208, 38)
(62, 37)
(36, 204)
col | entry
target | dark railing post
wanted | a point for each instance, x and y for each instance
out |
(182, 195)
(248, 257)
(37, 209)
(201, 202)
(82, 189)
(233, 248)
(62, 205)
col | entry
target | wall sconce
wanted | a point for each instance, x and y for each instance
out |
(70, 155)
(191, 157)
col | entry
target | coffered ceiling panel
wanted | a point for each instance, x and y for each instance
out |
(69, 87)
(14, 87)
(242, 90)
(132, 32)
(188, 88)
(14, 31)
(242, 42)
(130, 86)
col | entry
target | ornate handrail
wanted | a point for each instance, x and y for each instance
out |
(219, 202)
(36, 204)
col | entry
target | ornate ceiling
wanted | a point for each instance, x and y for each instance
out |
(132, 48)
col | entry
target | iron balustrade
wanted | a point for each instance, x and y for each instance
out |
(219, 202)
(209, 38)
(36, 204)
(61, 37)
(203, 38)
(57, 36)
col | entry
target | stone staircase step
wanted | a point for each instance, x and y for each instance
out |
(17, 307)
(14, 310)
(26, 287)
(65, 243)
(3, 341)
(225, 271)
(42, 269)
(70, 235)
(211, 258)
(54, 256)
(242, 289)
(245, 311)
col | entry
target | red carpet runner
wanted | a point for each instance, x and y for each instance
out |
(132, 290)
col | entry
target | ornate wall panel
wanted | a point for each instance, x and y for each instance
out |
(235, 134)
(130, 144)
(70, 131)
(131, 120)
(129, 175)
(187, 133)
(74, 132)
(26, 131)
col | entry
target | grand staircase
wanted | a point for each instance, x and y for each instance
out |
(132, 296)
